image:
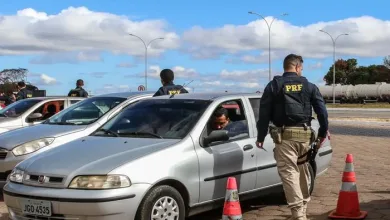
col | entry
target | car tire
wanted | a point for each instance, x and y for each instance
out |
(155, 196)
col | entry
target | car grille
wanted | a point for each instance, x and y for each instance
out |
(43, 180)
(3, 154)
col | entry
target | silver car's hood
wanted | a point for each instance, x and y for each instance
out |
(92, 155)
(13, 138)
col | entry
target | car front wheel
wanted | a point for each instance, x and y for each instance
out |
(162, 203)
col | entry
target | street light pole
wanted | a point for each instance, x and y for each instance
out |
(269, 39)
(334, 62)
(146, 56)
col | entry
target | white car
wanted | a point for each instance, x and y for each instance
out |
(33, 111)
(79, 120)
(161, 158)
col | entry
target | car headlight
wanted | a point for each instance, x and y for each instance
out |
(16, 175)
(100, 182)
(32, 146)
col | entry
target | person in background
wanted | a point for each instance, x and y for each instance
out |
(23, 92)
(169, 88)
(79, 91)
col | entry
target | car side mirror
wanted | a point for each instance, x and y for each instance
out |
(217, 135)
(34, 116)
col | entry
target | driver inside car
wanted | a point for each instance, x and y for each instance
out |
(221, 121)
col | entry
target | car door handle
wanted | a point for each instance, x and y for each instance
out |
(248, 147)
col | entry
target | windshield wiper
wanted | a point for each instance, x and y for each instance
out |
(141, 133)
(108, 132)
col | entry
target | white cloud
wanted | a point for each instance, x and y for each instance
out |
(47, 80)
(179, 71)
(244, 75)
(42, 79)
(314, 66)
(67, 57)
(364, 39)
(111, 88)
(125, 65)
(235, 80)
(79, 29)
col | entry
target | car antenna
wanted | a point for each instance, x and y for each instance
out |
(183, 86)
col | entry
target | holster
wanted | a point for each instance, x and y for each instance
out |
(312, 153)
(276, 134)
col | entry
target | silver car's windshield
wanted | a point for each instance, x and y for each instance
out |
(155, 118)
(85, 112)
(18, 108)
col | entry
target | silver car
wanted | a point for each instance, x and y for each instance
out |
(74, 122)
(32, 111)
(160, 158)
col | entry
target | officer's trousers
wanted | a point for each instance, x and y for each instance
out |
(295, 178)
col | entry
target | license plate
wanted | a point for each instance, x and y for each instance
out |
(36, 207)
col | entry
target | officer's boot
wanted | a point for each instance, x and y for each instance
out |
(298, 213)
(304, 210)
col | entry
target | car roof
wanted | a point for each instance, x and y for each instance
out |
(124, 94)
(54, 97)
(209, 95)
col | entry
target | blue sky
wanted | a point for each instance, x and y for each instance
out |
(216, 58)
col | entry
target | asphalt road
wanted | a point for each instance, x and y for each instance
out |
(359, 113)
(361, 129)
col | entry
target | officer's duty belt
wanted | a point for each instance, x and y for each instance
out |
(296, 133)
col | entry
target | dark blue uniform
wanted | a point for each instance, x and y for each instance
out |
(287, 101)
(78, 92)
(24, 94)
(170, 89)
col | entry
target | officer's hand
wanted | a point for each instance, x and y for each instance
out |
(322, 140)
(259, 144)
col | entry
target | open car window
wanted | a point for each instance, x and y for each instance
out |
(229, 116)
(18, 108)
(86, 111)
(168, 119)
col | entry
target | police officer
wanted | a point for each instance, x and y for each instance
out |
(169, 88)
(78, 91)
(287, 102)
(23, 92)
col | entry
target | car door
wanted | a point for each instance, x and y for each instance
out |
(233, 158)
(266, 174)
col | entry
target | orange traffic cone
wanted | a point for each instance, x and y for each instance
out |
(231, 208)
(348, 203)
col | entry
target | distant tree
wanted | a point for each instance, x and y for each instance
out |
(9, 78)
(348, 72)
(13, 75)
(386, 61)
(343, 69)
(379, 73)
